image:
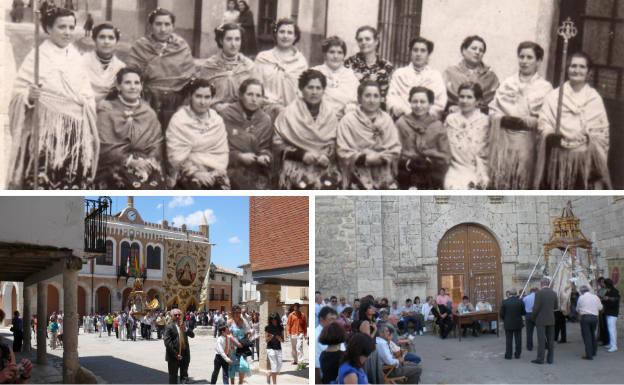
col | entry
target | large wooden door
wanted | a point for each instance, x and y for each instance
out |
(469, 263)
(601, 35)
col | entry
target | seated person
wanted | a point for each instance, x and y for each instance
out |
(484, 305)
(443, 318)
(426, 311)
(411, 370)
(395, 310)
(393, 320)
(464, 308)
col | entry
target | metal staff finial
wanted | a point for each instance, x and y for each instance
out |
(567, 30)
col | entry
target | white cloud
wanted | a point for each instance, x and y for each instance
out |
(180, 202)
(234, 240)
(194, 219)
(160, 206)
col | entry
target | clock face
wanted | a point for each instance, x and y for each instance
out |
(132, 215)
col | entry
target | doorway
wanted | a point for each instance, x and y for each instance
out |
(469, 263)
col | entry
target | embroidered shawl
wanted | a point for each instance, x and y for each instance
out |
(280, 77)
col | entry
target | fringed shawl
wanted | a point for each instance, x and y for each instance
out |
(166, 66)
(585, 144)
(202, 142)
(520, 99)
(68, 139)
(341, 91)
(280, 77)
(225, 76)
(102, 79)
(404, 79)
(357, 133)
(455, 75)
(126, 131)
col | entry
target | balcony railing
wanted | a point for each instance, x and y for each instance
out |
(219, 297)
(95, 230)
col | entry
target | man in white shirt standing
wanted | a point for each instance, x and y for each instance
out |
(410, 370)
(588, 306)
(318, 303)
(528, 318)
(343, 305)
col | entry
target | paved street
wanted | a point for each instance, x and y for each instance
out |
(143, 362)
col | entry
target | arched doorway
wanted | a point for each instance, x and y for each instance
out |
(13, 301)
(469, 263)
(124, 298)
(53, 300)
(82, 302)
(102, 300)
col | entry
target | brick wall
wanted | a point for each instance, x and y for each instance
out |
(278, 232)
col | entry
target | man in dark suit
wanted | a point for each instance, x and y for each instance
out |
(178, 351)
(511, 313)
(546, 303)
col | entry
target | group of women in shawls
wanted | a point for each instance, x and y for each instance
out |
(230, 122)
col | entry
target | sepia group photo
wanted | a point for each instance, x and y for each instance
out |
(312, 95)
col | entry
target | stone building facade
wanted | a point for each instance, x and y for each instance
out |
(400, 247)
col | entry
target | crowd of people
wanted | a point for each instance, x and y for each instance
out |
(373, 339)
(164, 119)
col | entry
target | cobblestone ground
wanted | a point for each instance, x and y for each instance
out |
(143, 362)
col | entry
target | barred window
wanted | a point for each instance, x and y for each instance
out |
(106, 259)
(399, 22)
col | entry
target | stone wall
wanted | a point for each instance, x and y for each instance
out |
(387, 246)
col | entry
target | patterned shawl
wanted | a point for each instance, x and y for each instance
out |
(280, 77)
(226, 76)
(102, 79)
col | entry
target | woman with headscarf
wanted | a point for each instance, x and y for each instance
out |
(167, 64)
(102, 63)
(197, 143)
(575, 156)
(471, 69)
(279, 68)
(68, 146)
(305, 138)
(250, 134)
(342, 84)
(368, 143)
(246, 20)
(131, 154)
(367, 64)
(514, 112)
(227, 69)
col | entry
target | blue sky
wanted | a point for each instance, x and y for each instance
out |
(228, 219)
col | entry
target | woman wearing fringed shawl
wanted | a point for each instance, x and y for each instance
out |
(368, 144)
(167, 64)
(575, 157)
(102, 63)
(227, 69)
(305, 139)
(514, 112)
(467, 132)
(471, 69)
(197, 143)
(417, 74)
(279, 68)
(68, 138)
(425, 154)
(342, 84)
(250, 133)
(131, 153)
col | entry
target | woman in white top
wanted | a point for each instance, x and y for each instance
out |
(102, 63)
(232, 13)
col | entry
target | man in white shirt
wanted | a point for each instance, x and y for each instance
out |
(410, 370)
(529, 300)
(318, 302)
(588, 306)
(325, 318)
(394, 309)
(343, 305)
(408, 308)
(484, 305)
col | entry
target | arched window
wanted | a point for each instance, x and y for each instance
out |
(106, 259)
(153, 257)
(125, 254)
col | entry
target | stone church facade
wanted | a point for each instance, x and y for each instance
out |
(400, 247)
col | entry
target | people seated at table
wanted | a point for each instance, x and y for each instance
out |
(484, 306)
(402, 368)
(443, 318)
(464, 308)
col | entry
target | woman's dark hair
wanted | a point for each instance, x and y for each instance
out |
(114, 93)
(160, 12)
(417, 297)
(361, 88)
(246, 6)
(333, 334)
(275, 317)
(584, 55)
(537, 49)
(334, 41)
(369, 29)
(189, 90)
(475, 87)
(364, 306)
(471, 39)
(430, 45)
(49, 17)
(308, 75)
(287, 21)
(359, 345)
(348, 311)
(608, 283)
(422, 90)
(101, 27)
(235, 308)
(223, 29)
(249, 82)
